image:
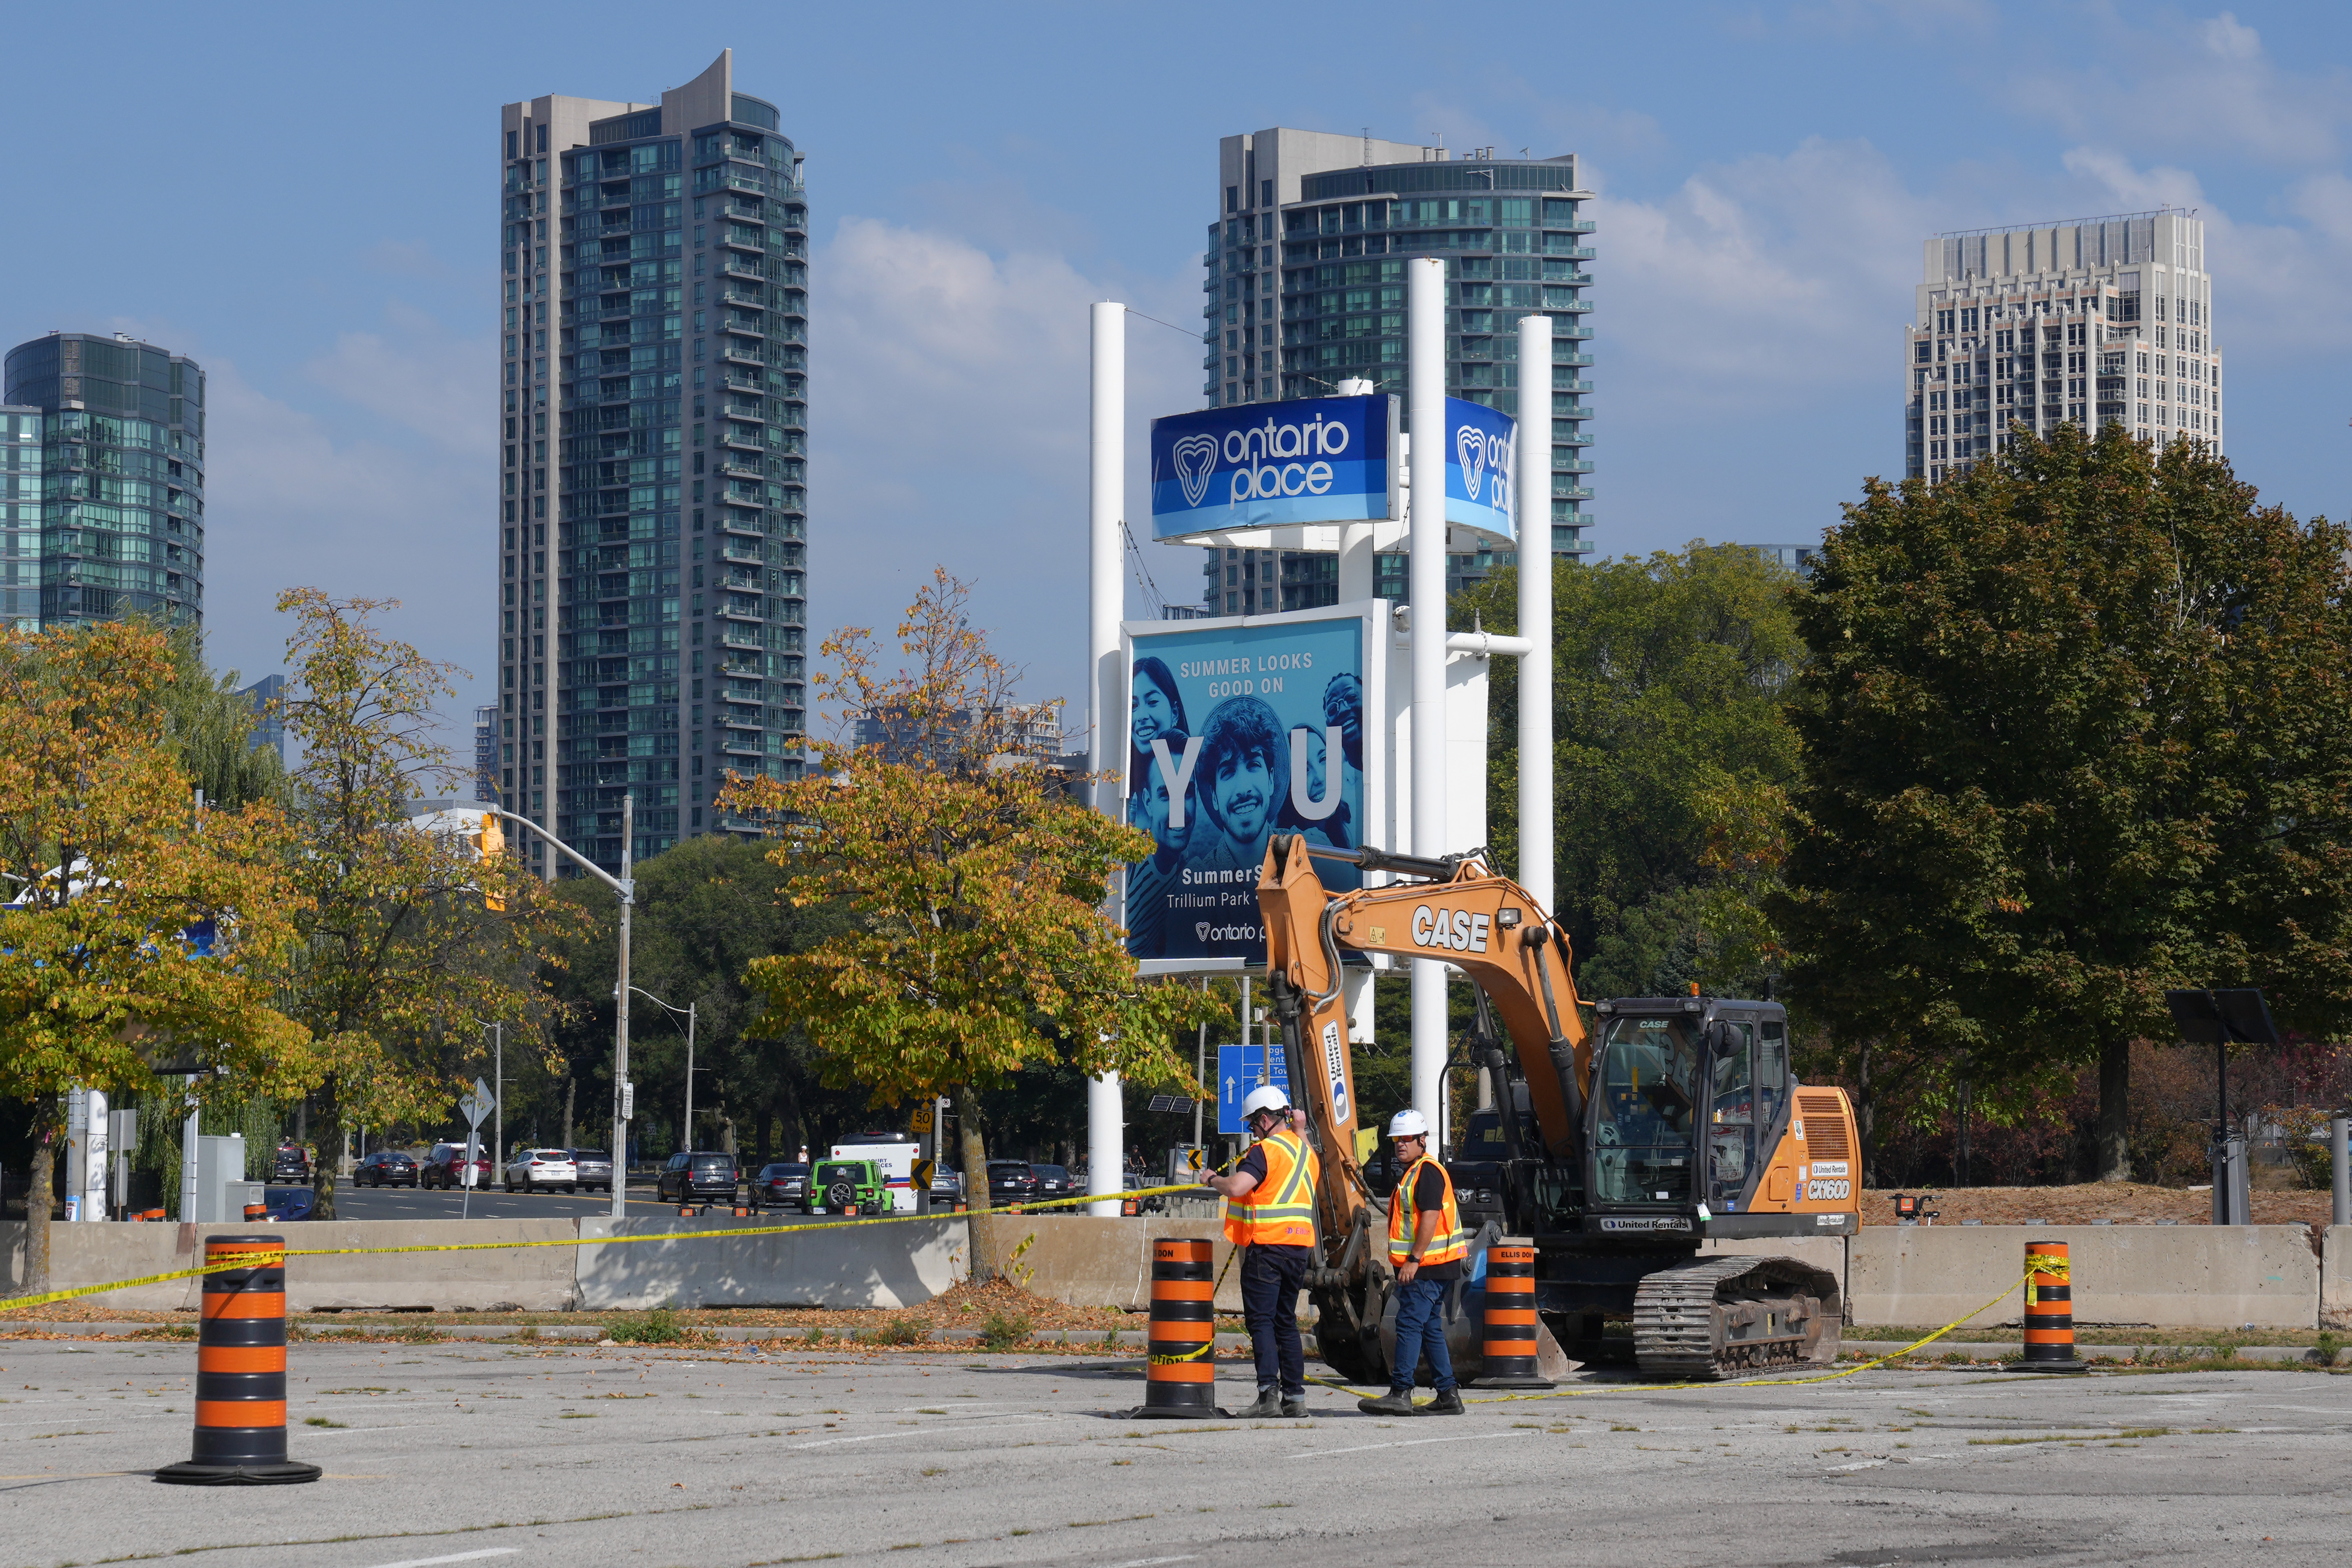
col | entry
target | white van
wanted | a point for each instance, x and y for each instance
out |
(896, 1154)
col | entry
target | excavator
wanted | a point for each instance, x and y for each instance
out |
(1619, 1149)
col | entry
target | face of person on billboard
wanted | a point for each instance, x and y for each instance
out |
(1148, 807)
(1314, 758)
(1244, 757)
(1153, 707)
(1343, 707)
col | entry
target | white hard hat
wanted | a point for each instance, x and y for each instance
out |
(1408, 1123)
(1264, 1096)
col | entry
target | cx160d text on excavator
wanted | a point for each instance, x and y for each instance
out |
(1617, 1149)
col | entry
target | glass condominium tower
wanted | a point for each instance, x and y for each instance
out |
(1304, 286)
(101, 483)
(653, 447)
(2104, 320)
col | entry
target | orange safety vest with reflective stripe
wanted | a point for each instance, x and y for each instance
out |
(1451, 1240)
(1280, 1210)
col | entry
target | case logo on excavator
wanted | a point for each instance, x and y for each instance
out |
(1457, 928)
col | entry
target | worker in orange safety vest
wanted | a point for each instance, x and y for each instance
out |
(1270, 1210)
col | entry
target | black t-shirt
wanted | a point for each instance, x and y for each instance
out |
(1252, 1163)
(1429, 1196)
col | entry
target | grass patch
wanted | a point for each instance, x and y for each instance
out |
(2071, 1436)
(658, 1327)
(322, 1421)
(901, 1331)
(1004, 1331)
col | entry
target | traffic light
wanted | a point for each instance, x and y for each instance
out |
(491, 844)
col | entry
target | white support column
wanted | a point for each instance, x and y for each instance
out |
(1107, 715)
(1355, 562)
(1531, 500)
(1425, 407)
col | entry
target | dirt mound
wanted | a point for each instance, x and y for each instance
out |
(2090, 1202)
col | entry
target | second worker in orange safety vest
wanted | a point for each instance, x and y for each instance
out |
(1270, 1210)
(1426, 1247)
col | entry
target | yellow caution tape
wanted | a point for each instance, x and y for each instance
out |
(269, 1259)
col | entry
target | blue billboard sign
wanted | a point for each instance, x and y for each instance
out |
(1241, 1068)
(1267, 465)
(1236, 733)
(1478, 467)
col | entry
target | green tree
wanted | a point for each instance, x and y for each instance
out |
(398, 958)
(138, 923)
(705, 911)
(974, 941)
(211, 723)
(1671, 757)
(2076, 730)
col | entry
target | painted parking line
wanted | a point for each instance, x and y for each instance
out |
(453, 1557)
(1406, 1442)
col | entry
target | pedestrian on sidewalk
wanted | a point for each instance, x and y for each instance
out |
(1426, 1247)
(1270, 1211)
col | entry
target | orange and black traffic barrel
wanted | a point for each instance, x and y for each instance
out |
(241, 1370)
(1507, 1342)
(2049, 1310)
(1180, 1377)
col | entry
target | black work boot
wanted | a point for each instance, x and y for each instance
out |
(1447, 1403)
(1294, 1405)
(1268, 1407)
(1395, 1401)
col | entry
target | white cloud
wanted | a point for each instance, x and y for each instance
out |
(949, 410)
(2195, 87)
(416, 373)
(1791, 269)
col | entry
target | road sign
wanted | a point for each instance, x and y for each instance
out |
(476, 1106)
(1185, 1162)
(1241, 1068)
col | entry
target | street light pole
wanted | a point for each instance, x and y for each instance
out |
(498, 1091)
(628, 889)
(685, 1129)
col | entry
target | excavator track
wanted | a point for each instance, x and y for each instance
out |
(1733, 1317)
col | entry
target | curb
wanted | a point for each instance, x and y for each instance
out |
(1998, 1350)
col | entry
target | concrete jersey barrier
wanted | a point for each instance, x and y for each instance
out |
(2165, 1276)
(876, 1264)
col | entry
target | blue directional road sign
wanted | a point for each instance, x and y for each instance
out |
(1241, 1068)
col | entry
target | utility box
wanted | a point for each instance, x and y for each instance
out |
(235, 1195)
(220, 1164)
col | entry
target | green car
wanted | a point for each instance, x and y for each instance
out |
(848, 1186)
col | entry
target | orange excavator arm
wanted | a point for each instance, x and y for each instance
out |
(1464, 914)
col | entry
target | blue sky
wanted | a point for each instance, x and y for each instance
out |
(305, 199)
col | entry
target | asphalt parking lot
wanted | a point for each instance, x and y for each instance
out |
(497, 1453)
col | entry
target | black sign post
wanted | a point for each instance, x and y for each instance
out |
(2224, 1019)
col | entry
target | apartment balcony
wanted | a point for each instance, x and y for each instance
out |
(1565, 490)
(734, 382)
(741, 469)
(743, 411)
(748, 329)
(733, 352)
(741, 522)
(733, 297)
(755, 243)
(747, 214)
(742, 441)
(741, 554)
(735, 609)
(733, 266)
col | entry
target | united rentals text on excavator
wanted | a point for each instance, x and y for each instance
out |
(1618, 1149)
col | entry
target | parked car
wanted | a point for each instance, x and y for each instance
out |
(848, 1186)
(386, 1168)
(1010, 1181)
(288, 1203)
(1056, 1182)
(291, 1163)
(947, 1182)
(595, 1168)
(446, 1167)
(531, 1169)
(782, 1184)
(697, 1176)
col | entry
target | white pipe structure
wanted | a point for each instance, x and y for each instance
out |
(1105, 1131)
(1531, 506)
(1425, 415)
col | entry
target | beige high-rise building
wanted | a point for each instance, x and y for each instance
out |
(2094, 322)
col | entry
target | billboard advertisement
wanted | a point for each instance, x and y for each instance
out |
(1264, 465)
(1478, 467)
(1238, 730)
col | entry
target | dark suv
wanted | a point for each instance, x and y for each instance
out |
(291, 1163)
(386, 1168)
(595, 1170)
(701, 1176)
(1012, 1182)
